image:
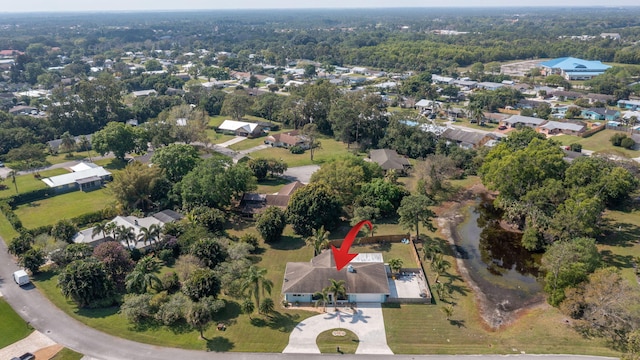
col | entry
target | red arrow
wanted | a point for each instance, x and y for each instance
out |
(342, 256)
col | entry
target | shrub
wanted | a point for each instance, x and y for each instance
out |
(166, 255)
(627, 143)
(32, 260)
(171, 282)
(250, 239)
(296, 150)
(21, 244)
(136, 308)
(576, 147)
(617, 138)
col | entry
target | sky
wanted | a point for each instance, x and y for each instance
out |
(150, 5)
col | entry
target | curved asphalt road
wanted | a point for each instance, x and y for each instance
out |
(63, 329)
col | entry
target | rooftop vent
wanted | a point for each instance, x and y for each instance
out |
(351, 269)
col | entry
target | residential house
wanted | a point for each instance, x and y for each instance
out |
(629, 104)
(241, 128)
(360, 70)
(558, 127)
(495, 118)
(22, 109)
(573, 68)
(465, 84)
(365, 279)
(528, 121)
(466, 139)
(601, 114)
(529, 104)
(134, 223)
(489, 86)
(54, 145)
(287, 140)
(252, 203)
(604, 98)
(84, 177)
(563, 95)
(437, 79)
(425, 105)
(389, 160)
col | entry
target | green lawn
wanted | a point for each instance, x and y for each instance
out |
(6, 230)
(13, 327)
(328, 344)
(75, 156)
(330, 149)
(28, 182)
(271, 186)
(390, 251)
(64, 206)
(67, 354)
(620, 246)
(262, 334)
(598, 142)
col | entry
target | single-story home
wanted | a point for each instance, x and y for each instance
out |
(135, 223)
(365, 278)
(466, 139)
(558, 127)
(629, 104)
(438, 79)
(599, 97)
(22, 109)
(516, 120)
(252, 203)
(389, 160)
(85, 177)
(600, 114)
(566, 95)
(144, 93)
(489, 86)
(240, 128)
(427, 105)
(55, 144)
(287, 140)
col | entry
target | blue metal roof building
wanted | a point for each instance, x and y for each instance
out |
(573, 68)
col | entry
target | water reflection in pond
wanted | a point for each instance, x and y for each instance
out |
(497, 263)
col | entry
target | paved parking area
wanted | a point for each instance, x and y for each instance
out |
(367, 323)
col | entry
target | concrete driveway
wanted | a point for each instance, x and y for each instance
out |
(367, 323)
(301, 173)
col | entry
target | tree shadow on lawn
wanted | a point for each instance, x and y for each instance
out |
(219, 344)
(288, 243)
(274, 181)
(277, 321)
(616, 260)
(229, 314)
(620, 234)
(458, 323)
(116, 164)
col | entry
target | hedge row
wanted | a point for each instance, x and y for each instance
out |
(94, 217)
(28, 197)
(7, 210)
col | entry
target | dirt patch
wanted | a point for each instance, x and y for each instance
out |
(48, 352)
(495, 316)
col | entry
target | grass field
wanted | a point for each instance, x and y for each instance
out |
(6, 230)
(13, 328)
(330, 149)
(328, 344)
(598, 142)
(28, 182)
(67, 354)
(262, 334)
(621, 245)
(75, 156)
(64, 206)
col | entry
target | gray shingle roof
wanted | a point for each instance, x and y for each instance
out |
(313, 276)
(388, 159)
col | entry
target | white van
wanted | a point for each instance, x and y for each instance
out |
(21, 277)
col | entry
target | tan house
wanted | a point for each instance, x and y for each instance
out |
(558, 127)
(287, 140)
(389, 160)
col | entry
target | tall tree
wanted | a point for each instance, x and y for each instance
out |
(144, 276)
(85, 281)
(414, 211)
(311, 207)
(236, 104)
(310, 132)
(176, 160)
(116, 137)
(133, 186)
(271, 224)
(319, 240)
(255, 282)
(337, 289)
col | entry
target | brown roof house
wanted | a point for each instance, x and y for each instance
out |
(389, 160)
(252, 203)
(366, 279)
(287, 140)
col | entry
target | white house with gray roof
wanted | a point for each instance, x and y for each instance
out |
(84, 177)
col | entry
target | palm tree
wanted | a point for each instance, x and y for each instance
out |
(319, 240)
(155, 231)
(68, 142)
(110, 229)
(248, 307)
(337, 289)
(98, 229)
(429, 249)
(13, 174)
(125, 234)
(145, 235)
(143, 277)
(440, 266)
(443, 290)
(255, 281)
(448, 311)
(323, 297)
(395, 265)
(85, 144)
(267, 306)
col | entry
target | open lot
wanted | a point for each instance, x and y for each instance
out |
(598, 142)
(63, 206)
(330, 149)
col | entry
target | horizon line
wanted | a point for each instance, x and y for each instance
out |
(320, 8)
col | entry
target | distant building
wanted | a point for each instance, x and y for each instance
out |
(573, 68)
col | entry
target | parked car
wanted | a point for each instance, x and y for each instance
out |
(25, 356)
(1, 164)
(502, 127)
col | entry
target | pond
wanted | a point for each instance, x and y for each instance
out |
(504, 271)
